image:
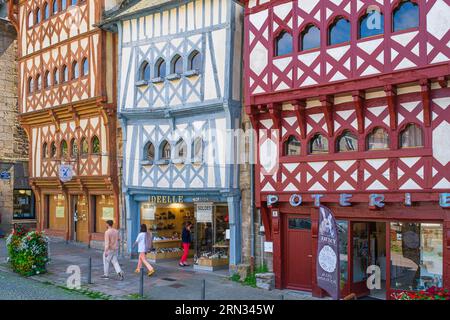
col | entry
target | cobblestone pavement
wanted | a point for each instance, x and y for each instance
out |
(169, 282)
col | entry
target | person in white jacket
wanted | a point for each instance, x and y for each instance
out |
(142, 241)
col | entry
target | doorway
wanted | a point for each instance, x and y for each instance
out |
(368, 253)
(80, 219)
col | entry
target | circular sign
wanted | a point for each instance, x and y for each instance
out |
(411, 239)
(327, 259)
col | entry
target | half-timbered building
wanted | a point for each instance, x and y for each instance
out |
(179, 90)
(351, 103)
(68, 109)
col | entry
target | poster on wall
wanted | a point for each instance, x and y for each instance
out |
(108, 213)
(59, 212)
(203, 212)
(148, 211)
(328, 269)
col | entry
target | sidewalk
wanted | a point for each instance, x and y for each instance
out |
(169, 282)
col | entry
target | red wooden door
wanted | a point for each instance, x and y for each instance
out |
(297, 253)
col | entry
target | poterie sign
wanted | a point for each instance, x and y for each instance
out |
(327, 266)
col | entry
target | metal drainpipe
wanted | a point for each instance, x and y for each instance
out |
(252, 206)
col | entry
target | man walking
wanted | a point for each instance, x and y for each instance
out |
(111, 250)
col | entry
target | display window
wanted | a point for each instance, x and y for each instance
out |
(56, 212)
(104, 211)
(23, 205)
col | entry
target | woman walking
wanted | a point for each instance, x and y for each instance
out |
(143, 242)
(186, 239)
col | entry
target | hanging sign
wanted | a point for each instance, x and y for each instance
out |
(328, 269)
(65, 172)
(203, 211)
(148, 211)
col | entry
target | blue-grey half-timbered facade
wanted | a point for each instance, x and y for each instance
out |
(179, 91)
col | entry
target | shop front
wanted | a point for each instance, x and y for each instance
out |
(384, 251)
(215, 233)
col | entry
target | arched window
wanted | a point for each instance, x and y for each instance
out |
(160, 68)
(64, 149)
(85, 67)
(310, 38)
(165, 150)
(181, 150)
(176, 65)
(65, 74)
(283, 44)
(73, 148)
(339, 31)
(55, 76)
(48, 79)
(197, 149)
(195, 61)
(63, 5)
(46, 11)
(378, 139)
(371, 24)
(149, 152)
(292, 146)
(405, 16)
(38, 15)
(30, 19)
(95, 145)
(347, 142)
(55, 7)
(53, 150)
(84, 147)
(411, 136)
(44, 150)
(318, 144)
(144, 73)
(38, 82)
(75, 70)
(30, 85)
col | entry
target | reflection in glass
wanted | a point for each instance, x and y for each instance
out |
(347, 142)
(343, 251)
(299, 223)
(310, 38)
(319, 144)
(292, 146)
(411, 137)
(378, 139)
(371, 24)
(283, 44)
(339, 31)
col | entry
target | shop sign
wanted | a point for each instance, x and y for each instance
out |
(203, 211)
(148, 211)
(5, 175)
(59, 212)
(268, 246)
(108, 213)
(65, 172)
(166, 199)
(328, 269)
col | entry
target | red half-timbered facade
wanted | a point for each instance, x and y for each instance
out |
(360, 124)
(68, 108)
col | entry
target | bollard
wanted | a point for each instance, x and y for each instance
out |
(90, 270)
(203, 290)
(141, 283)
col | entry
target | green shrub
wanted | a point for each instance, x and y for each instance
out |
(235, 277)
(27, 251)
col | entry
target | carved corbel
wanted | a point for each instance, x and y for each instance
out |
(391, 97)
(327, 109)
(442, 82)
(425, 91)
(275, 115)
(300, 113)
(253, 116)
(54, 120)
(359, 102)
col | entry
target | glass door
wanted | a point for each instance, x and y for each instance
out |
(360, 253)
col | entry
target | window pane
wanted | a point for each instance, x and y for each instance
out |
(63, 4)
(340, 32)
(150, 152)
(75, 70)
(319, 144)
(378, 139)
(46, 11)
(86, 67)
(161, 67)
(406, 16)
(371, 25)
(74, 148)
(165, 150)
(284, 44)
(95, 145)
(84, 147)
(177, 65)
(64, 149)
(361, 255)
(55, 77)
(348, 142)
(299, 223)
(181, 149)
(198, 148)
(311, 38)
(53, 150)
(196, 62)
(411, 137)
(292, 147)
(23, 204)
(416, 255)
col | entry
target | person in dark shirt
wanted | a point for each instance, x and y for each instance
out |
(186, 239)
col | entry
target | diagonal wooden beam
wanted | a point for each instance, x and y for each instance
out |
(425, 91)
(300, 113)
(327, 109)
(359, 102)
(391, 97)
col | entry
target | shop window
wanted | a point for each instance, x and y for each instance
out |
(195, 61)
(84, 147)
(416, 255)
(371, 24)
(144, 74)
(55, 76)
(38, 82)
(292, 146)
(45, 150)
(347, 142)
(46, 11)
(73, 148)
(30, 85)
(378, 139)
(283, 44)
(406, 16)
(310, 38)
(318, 144)
(339, 31)
(197, 149)
(48, 80)
(149, 152)
(23, 202)
(64, 149)
(165, 150)
(299, 223)
(96, 149)
(65, 74)
(160, 68)
(75, 70)
(342, 227)
(85, 67)
(55, 7)
(176, 65)
(411, 137)
(181, 150)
